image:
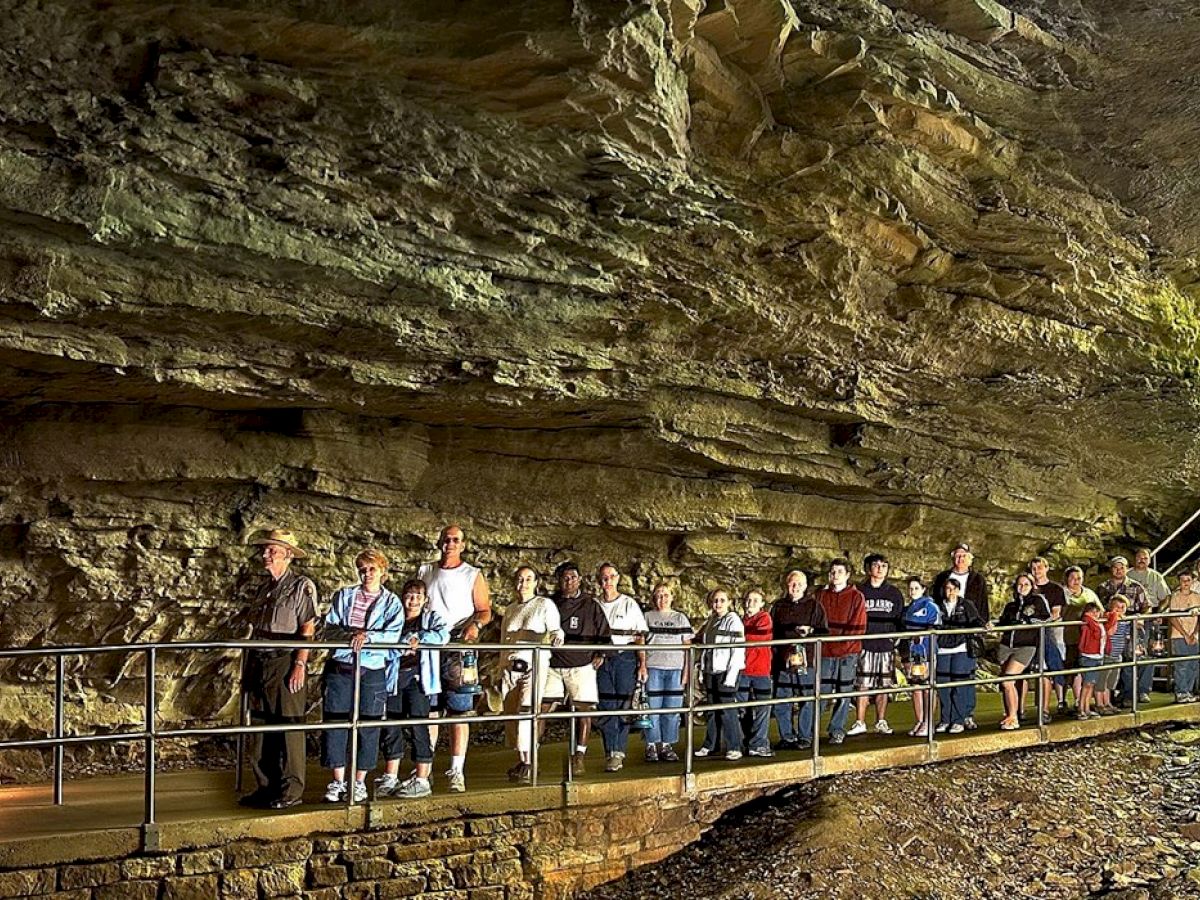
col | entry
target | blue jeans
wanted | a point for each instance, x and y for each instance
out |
(956, 703)
(756, 719)
(409, 702)
(837, 676)
(1187, 665)
(722, 727)
(339, 695)
(664, 690)
(792, 684)
(615, 682)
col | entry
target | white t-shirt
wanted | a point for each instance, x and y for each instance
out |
(625, 618)
(962, 582)
(450, 591)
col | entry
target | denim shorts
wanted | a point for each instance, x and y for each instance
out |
(1088, 662)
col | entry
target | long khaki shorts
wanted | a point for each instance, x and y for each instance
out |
(577, 683)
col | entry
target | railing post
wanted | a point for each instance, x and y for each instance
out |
(568, 777)
(1040, 686)
(59, 728)
(691, 710)
(151, 717)
(535, 702)
(352, 759)
(243, 720)
(930, 725)
(816, 707)
(1134, 679)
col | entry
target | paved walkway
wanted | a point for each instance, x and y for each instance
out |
(107, 811)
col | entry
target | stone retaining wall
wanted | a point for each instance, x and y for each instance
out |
(548, 853)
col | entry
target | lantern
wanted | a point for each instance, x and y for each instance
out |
(470, 674)
(641, 703)
(797, 660)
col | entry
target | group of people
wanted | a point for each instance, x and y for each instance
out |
(602, 649)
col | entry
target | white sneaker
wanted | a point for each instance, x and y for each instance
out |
(414, 787)
(859, 727)
(702, 752)
(942, 728)
(883, 727)
(386, 785)
(733, 755)
(360, 791)
(921, 730)
(336, 792)
(957, 728)
(458, 782)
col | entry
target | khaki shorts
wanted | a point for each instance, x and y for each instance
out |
(577, 683)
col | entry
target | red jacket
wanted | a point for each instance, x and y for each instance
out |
(759, 627)
(846, 611)
(1094, 638)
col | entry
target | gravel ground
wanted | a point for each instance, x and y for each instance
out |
(1113, 818)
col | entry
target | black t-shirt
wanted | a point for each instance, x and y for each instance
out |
(583, 622)
(885, 613)
(1054, 593)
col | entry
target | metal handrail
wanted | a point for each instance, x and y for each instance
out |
(150, 734)
(1170, 537)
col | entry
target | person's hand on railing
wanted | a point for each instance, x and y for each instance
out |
(413, 643)
(357, 640)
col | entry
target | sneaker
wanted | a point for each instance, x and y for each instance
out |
(969, 723)
(859, 727)
(667, 754)
(615, 762)
(957, 728)
(1094, 714)
(1143, 698)
(701, 753)
(336, 792)
(764, 752)
(521, 773)
(921, 731)
(1009, 725)
(803, 744)
(386, 785)
(786, 745)
(360, 792)
(883, 727)
(837, 737)
(942, 728)
(912, 732)
(1181, 698)
(577, 766)
(458, 781)
(414, 787)
(652, 753)
(733, 755)
(1083, 717)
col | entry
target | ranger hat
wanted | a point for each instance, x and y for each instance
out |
(281, 538)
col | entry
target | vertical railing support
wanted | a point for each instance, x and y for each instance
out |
(352, 758)
(59, 728)
(1134, 673)
(1040, 686)
(818, 665)
(691, 710)
(930, 725)
(151, 727)
(243, 720)
(535, 703)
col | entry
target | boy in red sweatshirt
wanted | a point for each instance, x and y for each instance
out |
(1094, 642)
(846, 609)
(755, 681)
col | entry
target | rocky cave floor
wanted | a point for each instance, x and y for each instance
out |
(1113, 818)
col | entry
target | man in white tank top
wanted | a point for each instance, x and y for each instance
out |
(459, 593)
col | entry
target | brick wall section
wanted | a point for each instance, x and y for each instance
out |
(543, 855)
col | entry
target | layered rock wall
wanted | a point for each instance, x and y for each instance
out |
(711, 289)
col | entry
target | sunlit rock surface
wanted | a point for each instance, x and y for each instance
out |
(708, 288)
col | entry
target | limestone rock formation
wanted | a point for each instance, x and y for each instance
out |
(708, 287)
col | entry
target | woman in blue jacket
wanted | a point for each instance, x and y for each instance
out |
(365, 613)
(414, 676)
